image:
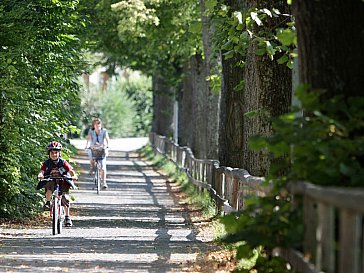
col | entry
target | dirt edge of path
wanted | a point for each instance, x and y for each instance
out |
(220, 260)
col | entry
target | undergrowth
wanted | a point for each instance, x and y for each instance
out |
(198, 198)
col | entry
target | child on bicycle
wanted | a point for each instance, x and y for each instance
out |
(97, 136)
(56, 166)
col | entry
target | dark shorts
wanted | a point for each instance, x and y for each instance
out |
(65, 189)
(51, 185)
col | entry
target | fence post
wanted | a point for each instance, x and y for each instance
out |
(350, 234)
(310, 221)
(326, 238)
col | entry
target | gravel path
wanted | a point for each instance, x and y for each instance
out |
(133, 226)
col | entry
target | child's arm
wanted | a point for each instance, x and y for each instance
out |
(41, 174)
(73, 174)
(70, 170)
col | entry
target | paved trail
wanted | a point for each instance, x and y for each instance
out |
(134, 226)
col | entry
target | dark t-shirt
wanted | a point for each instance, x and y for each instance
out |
(56, 169)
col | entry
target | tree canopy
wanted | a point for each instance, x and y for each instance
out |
(40, 59)
(152, 36)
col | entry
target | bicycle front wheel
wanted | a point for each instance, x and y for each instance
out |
(55, 213)
(60, 219)
(97, 180)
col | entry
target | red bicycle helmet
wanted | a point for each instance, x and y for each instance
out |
(54, 145)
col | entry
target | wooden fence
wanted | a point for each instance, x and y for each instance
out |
(333, 217)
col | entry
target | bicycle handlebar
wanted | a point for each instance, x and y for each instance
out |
(56, 179)
(97, 147)
(50, 178)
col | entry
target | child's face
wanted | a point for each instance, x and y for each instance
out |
(54, 154)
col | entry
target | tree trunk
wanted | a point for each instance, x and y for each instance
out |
(192, 113)
(199, 127)
(163, 99)
(330, 38)
(212, 100)
(330, 45)
(185, 109)
(231, 138)
(268, 91)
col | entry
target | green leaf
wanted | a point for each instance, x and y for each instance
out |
(257, 143)
(283, 59)
(287, 37)
(240, 86)
(195, 27)
(251, 114)
(346, 170)
(270, 49)
(228, 45)
(240, 27)
(210, 4)
(229, 54)
(230, 222)
(244, 251)
(261, 51)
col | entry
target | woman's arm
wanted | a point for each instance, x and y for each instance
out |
(107, 139)
(88, 138)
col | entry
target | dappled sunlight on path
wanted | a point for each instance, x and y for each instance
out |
(133, 226)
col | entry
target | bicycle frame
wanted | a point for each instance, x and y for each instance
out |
(97, 177)
(57, 211)
(97, 168)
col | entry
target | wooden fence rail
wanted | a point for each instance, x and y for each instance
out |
(333, 217)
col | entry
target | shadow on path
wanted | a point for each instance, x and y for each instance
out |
(133, 226)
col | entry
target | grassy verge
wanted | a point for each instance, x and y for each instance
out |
(194, 197)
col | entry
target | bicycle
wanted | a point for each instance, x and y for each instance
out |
(57, 211)
(98, 153)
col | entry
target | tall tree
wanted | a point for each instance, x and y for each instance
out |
(185, 108)
(255, 86)
(199, 118)
(268, 89)
(330, 41)
(163, 99)
(334, 76)
(231, 138)
(212, 99)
